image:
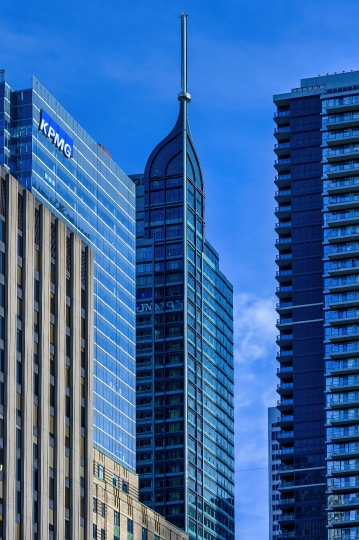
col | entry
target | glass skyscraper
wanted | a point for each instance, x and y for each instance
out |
(318, 275)
(46, 150)
(185, 430)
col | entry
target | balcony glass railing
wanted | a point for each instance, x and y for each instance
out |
(285, 337)
(284, 129)
(285, 386)
(342, 399)
(286, 418)
(341, 199)
(343, 416)
(338, 382)
(286, 177)
(286, 517)
(350, 363)
(343, 432)
(287, 401)
(340, 151)
(284, 353)
(283, 256)
(338, 216)
(340, 102)
(280, 114)
(345, 466)
(338, 118)
(283, 193)
(283, 145)
(338, 167)
(283, 241)
(284, 272)
(287, 500)
(341, 231)
(286, 451)
(286, 434)
(342, 518)
(285, 320)
(337, 298)
(283, 224)
(337, 331)
(341, 264)
(284, 161)
(343, 182)
(287, 369)
(286, 208)
(285, 288)
(348, 247)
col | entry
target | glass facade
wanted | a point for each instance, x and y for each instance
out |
(185, 429)
(95, 199)
(318, 223)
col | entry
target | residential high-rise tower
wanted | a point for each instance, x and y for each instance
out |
(318, 273)
(185, 431)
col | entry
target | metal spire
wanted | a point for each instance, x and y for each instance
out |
(184, 95)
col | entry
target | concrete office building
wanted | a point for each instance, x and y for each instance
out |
(46, 372)
(318, 222)
(117, 512)
(273, 476)
(185, 428)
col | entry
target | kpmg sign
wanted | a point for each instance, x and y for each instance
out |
(53, 131)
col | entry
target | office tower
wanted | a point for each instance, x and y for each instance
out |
(46, 372)
(117, 512)
(47, 151)
(273, 476)
(185, 449)
(317, 227)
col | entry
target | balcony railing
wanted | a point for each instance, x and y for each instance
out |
(279, 114)
(285, 129)
(288, 369)
(285, 320)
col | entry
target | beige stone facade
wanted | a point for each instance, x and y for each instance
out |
(117, 513)
(46, 373)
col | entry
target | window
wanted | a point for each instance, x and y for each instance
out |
(94, 531)
(129, 529)
(115, 480)
(100, 472)
(116, 517)
(103, 534)
(124, 486)
(144, 534)
(94, 504)
(103, 509)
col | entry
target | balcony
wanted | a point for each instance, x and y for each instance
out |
(341, 104)
(285, 420)
(338, 401)
(284, 275)
(283, 211)
(284, 339)
(341, 169)
(285, 356)
(286, 454)
(285, 437)
(285, 372)
(283, 307)
(343, 434)
(281, 117)
(340, 121)
(343, 366)
(343, 417)
(281, 133)
(286, 502)
(284, 291)
(335, 137)
(338, 520)
(338, 470)
(282, 149)
(283, 243)
(352, 383)
(285, 485)
(283, 180)
(283, 322)
(283, 259)
(340, 185)
(286, 518)
(288, 534)
(282, 165)
(343, 153)
(285, 389)
(346, 452)
(283, 227)
(283, 195)
(285, 404)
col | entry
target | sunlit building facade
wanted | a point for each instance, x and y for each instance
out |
(318, 261)
(185, 430)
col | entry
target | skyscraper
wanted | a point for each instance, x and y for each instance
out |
(47, 151)
(46, 372)
(317, 165)
(185, 431)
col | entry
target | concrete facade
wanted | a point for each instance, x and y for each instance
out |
(117, 513)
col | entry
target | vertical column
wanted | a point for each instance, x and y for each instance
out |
(89, 389)
(60, 363)
(10, 356)
(76, 382)
(28, 364)
(44, 371)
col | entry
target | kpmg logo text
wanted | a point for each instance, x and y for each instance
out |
(53, 131)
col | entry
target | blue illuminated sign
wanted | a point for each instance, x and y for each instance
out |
(52, 130)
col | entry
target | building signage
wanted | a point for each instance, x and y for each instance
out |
(170, 305)
(52, 130)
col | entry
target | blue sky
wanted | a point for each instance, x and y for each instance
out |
(114, 65)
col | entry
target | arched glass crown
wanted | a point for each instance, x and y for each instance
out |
(167, 158)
